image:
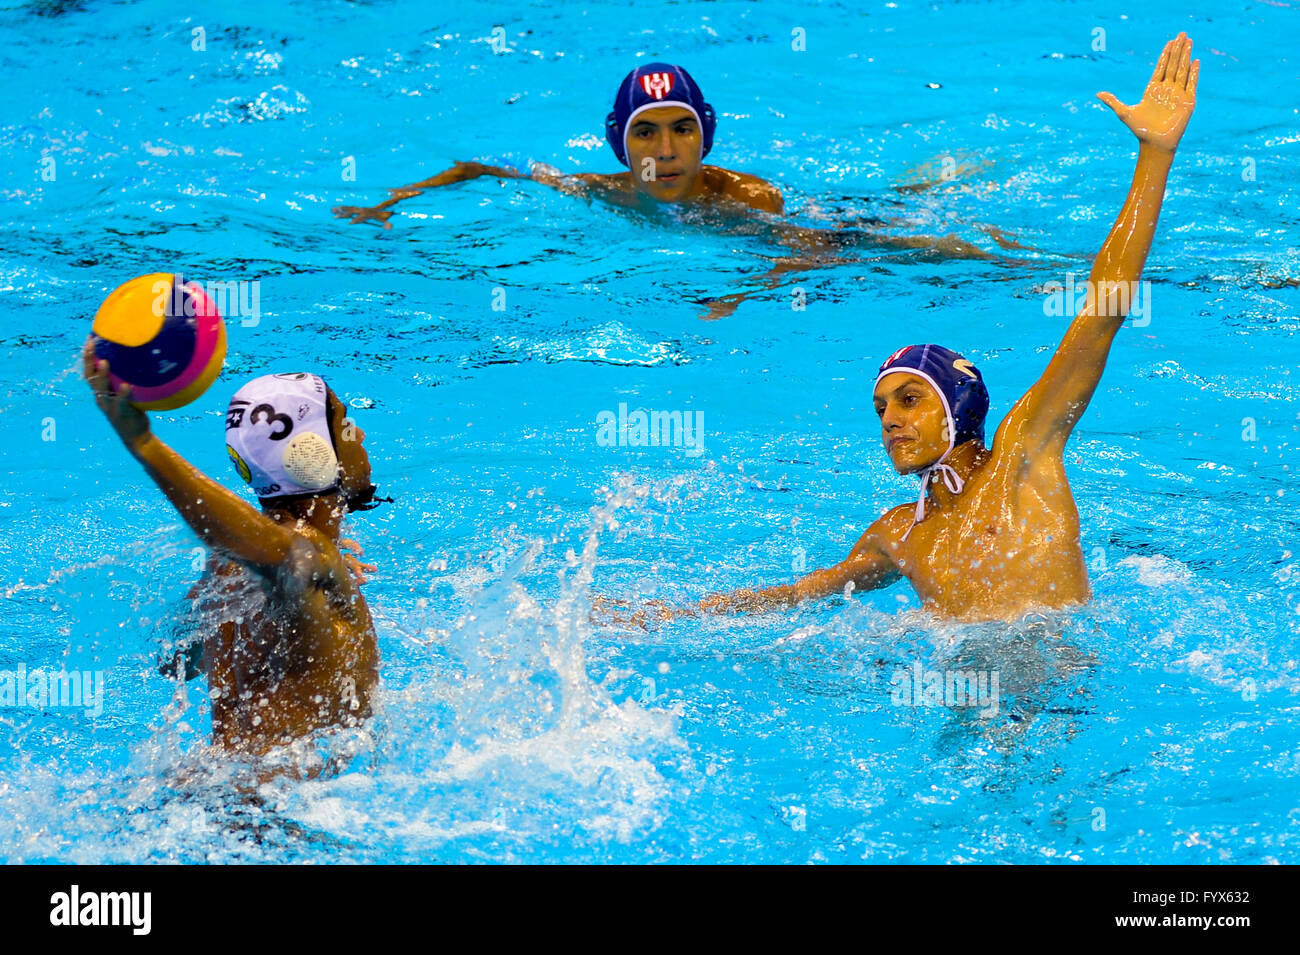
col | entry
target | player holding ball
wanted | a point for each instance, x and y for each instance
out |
(291, 647)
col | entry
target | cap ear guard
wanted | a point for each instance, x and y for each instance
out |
(614, 136)
(279, 436)
(970, 409)
(955, 378)
(310, 461)
(708, 123)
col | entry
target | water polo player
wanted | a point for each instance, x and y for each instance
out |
(660, 128)
(995, 532)
(289, 646)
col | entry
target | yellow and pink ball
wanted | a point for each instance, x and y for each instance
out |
(164, 337)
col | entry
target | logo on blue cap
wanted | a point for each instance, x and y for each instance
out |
(651, 86)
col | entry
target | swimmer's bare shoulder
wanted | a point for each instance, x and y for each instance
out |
(725, 185)
(886, 534)
(337, 632)
(880, 557)
(743, 187)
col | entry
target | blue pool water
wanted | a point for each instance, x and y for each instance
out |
(1155, 724)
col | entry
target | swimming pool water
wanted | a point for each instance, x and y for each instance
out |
(1155, 724)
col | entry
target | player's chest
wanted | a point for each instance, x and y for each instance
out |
(961, 547)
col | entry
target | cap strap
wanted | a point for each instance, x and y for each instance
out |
(937, 471)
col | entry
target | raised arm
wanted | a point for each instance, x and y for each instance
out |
(221, 519)
(1045, 416)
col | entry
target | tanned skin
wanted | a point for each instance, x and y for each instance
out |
(665, 167)
(1010, 541)
(306, 657)
(663, 151)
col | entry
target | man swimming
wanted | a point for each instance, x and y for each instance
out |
(660, 128)
(291, 647)
(995, 532)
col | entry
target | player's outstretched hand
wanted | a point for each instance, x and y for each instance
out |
(359, 214)
(1166, 106)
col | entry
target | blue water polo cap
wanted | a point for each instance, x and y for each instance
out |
(958, 382)
(652, 86)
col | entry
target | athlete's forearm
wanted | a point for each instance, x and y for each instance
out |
(461, 172)
(819, 583)
(1158, 121)
(1124, 253)
(1118, 267)
(748, 601)
(1063, 393)
(1044, 418)
(828, 245)
(219, 517)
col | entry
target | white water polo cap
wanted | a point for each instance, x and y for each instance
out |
(278, 436)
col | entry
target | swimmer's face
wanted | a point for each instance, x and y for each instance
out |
(349, 443)
(663, 152)
(913, 425)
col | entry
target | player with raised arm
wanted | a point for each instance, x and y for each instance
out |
(995, 531)
(288, 645)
